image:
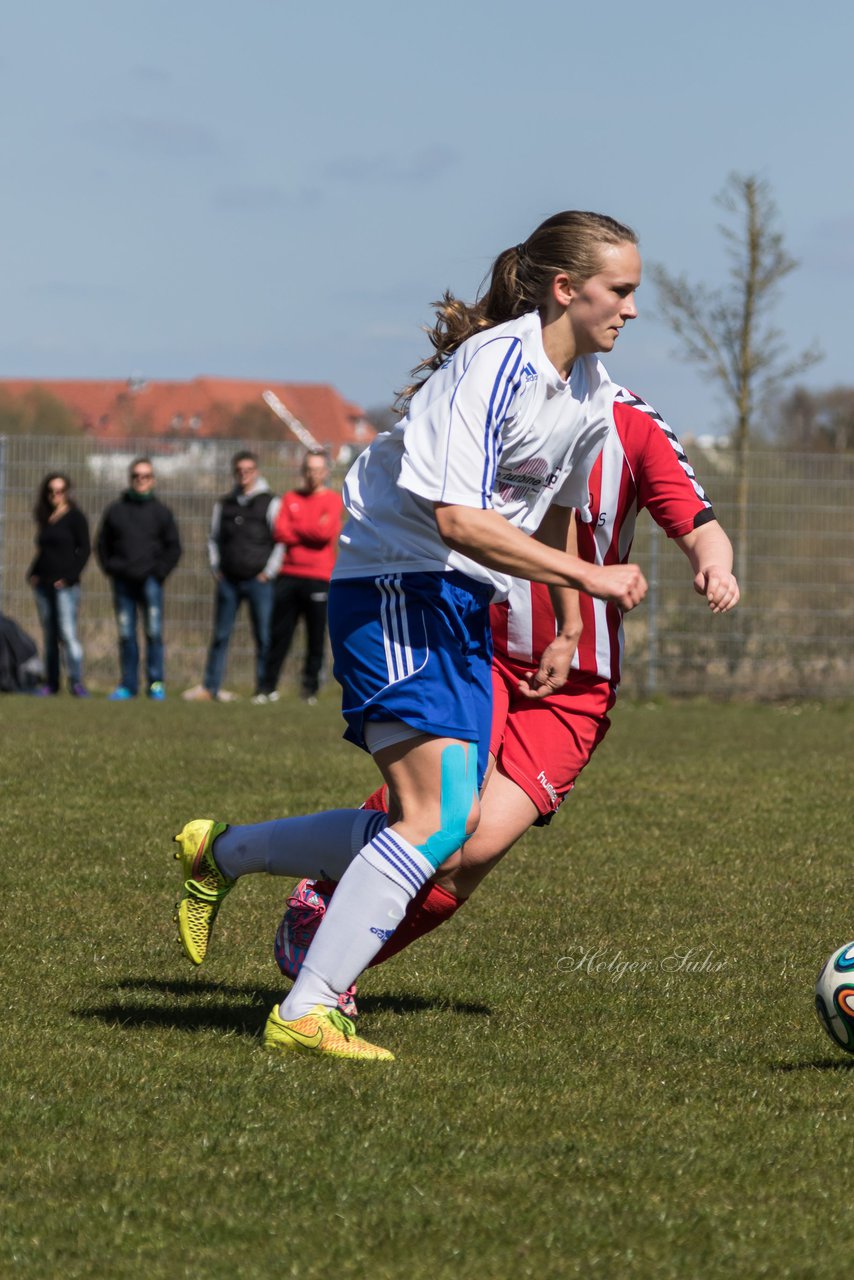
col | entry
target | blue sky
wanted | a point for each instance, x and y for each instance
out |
(278, 190)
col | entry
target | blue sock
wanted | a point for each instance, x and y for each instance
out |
(318, 845)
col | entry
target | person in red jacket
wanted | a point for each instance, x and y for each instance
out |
(308, 523)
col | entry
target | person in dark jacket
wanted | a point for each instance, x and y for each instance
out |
(244, 560)
(21, 667)
(138, 547)
(62, 542)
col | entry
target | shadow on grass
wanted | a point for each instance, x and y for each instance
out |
(264, 997)
(420, 1004)
(187, 987)
(817, 1064)
(246, 1017)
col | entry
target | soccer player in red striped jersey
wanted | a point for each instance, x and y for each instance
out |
(541, 743)
(553, 687)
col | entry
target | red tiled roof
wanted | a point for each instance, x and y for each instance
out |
(201, 406)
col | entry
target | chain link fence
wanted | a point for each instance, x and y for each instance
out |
(790, 637)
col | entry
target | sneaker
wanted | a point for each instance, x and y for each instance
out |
(347, 1003)
(309, 698)
(45, 691)
(274, 696)
(204, 886)
(198, 693)
(157, 691)
(79, 690)
(323, 1031)
(295, 934)
(260, 699)
(306, 908)
(121, 694)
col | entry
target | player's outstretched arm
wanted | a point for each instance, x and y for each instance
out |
(709, 552)
(487, 537)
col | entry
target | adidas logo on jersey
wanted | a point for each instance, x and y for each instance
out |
(530, 372)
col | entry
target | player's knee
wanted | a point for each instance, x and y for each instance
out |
(451, 835)
(473, 818)
(460, 808)
(452, 865)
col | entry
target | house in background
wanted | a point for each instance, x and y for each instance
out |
(202, 408)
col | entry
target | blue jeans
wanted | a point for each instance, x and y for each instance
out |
(58, 608)
(230, 592)
(147, 597)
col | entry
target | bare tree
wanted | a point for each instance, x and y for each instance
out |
(727, 331)
(816, 421)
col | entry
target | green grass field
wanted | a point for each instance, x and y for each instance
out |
(608, 1063)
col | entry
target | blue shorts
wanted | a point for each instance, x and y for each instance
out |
(415, 647)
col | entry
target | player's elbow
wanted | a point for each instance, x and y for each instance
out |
(454, 525)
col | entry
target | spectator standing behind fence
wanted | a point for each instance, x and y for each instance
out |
(138, 547)
(244, 560)
(308, 524)
(62, 539)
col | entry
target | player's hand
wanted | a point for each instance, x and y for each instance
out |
(624, 584)
(553, 671)
(719, 587)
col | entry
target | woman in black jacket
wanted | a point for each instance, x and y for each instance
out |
(62, 539)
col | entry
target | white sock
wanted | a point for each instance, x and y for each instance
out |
(365, 910)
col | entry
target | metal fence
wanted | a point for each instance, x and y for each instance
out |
(792, 635)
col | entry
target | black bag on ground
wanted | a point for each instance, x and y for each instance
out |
(20, 665)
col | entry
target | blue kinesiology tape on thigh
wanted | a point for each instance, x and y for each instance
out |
(459, 786)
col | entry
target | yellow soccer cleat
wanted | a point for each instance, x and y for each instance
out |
(204, 886)
(323, 1031)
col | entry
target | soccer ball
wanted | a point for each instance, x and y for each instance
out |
(834, 997)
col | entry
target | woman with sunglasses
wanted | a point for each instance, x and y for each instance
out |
(62, 539)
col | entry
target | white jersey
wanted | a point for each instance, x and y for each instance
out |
(495, 427)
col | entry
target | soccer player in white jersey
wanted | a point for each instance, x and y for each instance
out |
(543, 735)
(505, 425)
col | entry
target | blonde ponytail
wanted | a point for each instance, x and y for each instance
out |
(518, 282)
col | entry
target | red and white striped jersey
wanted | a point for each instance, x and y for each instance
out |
(642, 465)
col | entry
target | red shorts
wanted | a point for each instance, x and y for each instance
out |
(542, 745)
